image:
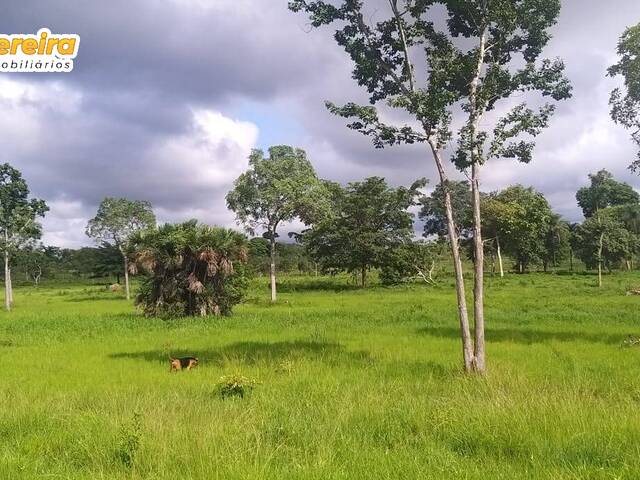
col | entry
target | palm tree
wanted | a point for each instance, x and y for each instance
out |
(191, 269)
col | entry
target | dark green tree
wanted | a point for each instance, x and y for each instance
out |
(116, 221)
(18, 220)
(486, 53)
(557, 245)
(601, 195)
(368, 220)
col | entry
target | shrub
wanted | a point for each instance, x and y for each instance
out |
(129, 443)
(191, 269)
(235, 386)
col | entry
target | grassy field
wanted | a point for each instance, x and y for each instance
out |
(353, 384)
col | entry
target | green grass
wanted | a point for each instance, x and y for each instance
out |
(352, 384)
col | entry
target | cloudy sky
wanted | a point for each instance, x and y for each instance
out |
(168, 97)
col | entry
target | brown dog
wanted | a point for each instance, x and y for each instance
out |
(186, 363)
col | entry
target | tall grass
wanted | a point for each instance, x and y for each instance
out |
(352, 384)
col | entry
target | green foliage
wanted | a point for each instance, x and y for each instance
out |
(368, 220)
(129, 441)
(384, 56)
(118, 219)
(290, 257)
(625, 102)
(235, 385)
(275, 189)
(521, 218)
(557, 242)
(618, 243)
(18, 213)
(191, 269)
(412, 260)
(605, 192)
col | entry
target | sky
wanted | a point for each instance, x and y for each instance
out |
(168, 97)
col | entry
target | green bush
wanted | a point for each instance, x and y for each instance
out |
(235, 386)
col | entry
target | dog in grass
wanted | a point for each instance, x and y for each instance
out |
(184, 363)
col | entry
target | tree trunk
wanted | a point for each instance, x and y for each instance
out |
(571, 260)
(126, 276)
(364, 276)
(499, 257)
(10, 288)
(478, 283)
(272, 267)
(7, 279)
(475, 112)
(600, 247)
(463, 316)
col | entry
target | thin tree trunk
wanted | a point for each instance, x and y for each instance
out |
(476, 158)
(7, 295)
(272, 267)
(463, 316)
(126, 276)
(10, 288)
(600, 247)
(364, 276)
(478, 284)
(499, 257)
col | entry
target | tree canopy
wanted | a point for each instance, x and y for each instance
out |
(366, 222)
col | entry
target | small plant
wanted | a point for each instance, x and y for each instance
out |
(285, 366)
(129, 443)
(631, 341)
(235, 386)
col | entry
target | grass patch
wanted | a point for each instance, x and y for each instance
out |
(354, 384)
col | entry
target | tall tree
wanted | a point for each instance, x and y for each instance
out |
(470, 61)
(625, 102)
(522, 219)
(603, 192)
(276, 189)
(18, 215)
(116, 221)
(367, 222)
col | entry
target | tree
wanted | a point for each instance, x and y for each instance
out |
(18, 225)
(602, 241)
(471, 63)
(413, 260)
(604, 192)
(116, 221)
(191, 269)
(367, 222)
(521, 218)
(274, 190)
(625, 102)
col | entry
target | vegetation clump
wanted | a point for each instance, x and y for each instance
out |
(191, 269)
(235, 385)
